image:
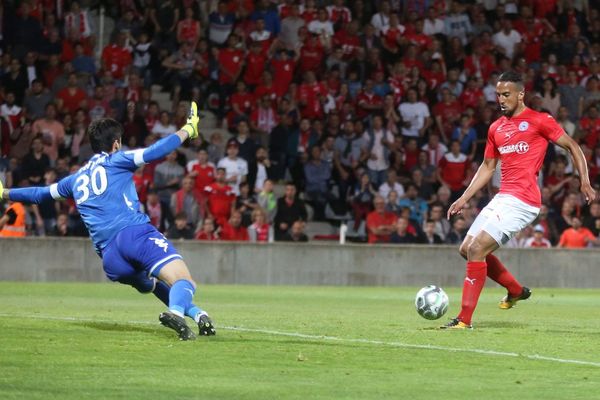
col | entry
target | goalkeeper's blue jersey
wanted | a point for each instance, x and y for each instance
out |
(105, 195)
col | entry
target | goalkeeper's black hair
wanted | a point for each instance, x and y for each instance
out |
(103, 133)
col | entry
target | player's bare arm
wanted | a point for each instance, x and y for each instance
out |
(482, 177)
(567, 143)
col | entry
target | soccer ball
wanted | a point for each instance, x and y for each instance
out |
(431, 302)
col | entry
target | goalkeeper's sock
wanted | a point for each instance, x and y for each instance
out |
(161, 291)
(497, 272)
(474, 281)
(194, 312)
(180, 297)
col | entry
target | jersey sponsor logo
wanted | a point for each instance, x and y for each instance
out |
(519, 148)
(523, 126)
(162, 243)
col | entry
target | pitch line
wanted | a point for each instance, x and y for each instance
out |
(536, 357)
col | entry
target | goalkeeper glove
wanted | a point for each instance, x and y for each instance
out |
(1, 190)
(191, 126)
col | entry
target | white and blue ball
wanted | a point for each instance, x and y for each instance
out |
(431, 302)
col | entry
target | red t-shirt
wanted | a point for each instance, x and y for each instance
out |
(231, 61)
(244, 101)
(310, 95)
(116, 60)
(348, 43)
(591, 129)
(449, 113)
(283, 73)
(366, 99)
(520, 143)
(220, 198)
(205, 177)
(454, 170)
(255, 65)
(374, 219)
(72, 100)
(262, 90)
(470, 97)
(311, 56)
(575, 239)
(228, 232)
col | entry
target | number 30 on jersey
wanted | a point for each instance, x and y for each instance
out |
(96, 181)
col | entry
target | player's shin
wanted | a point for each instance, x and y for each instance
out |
(180, 296)
(472, 286)
(497, 272)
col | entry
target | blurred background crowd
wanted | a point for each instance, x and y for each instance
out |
(317, 114)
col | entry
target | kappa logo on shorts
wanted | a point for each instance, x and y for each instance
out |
(162, 243)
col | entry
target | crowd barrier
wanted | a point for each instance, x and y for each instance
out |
(317, 263)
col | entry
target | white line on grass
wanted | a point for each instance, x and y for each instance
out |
(334, 339)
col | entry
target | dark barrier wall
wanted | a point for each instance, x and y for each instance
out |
(53, 259)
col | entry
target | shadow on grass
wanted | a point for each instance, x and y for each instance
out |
(119, 327)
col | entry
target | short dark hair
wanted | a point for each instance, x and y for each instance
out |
(511, 76)
(103, 132)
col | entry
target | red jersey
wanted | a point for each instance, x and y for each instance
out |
(591, 129)
(453, 170)
(230, 61)
(255, 66)
(348, 43)
(220, 198)
(206, 236)
(520, 142)
(374, 219)
(244, 101)
(283, 74)
(311, 55)
(72, 100)
(311, 94)
(205, 176)
(240, 233)
(116, 59)
(370, 99)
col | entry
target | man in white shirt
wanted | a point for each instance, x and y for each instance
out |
(381, 20)
(236, 168)
(507, 39)
(391, 184)
(433, 25)
(322, 25)
(434, 149)
(415, 115)
(378, 142)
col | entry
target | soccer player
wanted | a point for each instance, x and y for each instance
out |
(133, 252)
(519, 140)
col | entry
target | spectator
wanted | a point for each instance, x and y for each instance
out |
(296, 233)
(317, 174)
(220, 24)
(220, 198)
(381, 20)
(458, 232)
(260, 230)
(418, 207)
(380, 224)
(36, 101)
(289, 209)
(35, 163)
(466, 135)
(233, 230)
(453, 170)
(183, 66)
(164, 126)
(71, 98)
(62, 228)
(507, 39)
(576, 237)
(201, 170)
(116, 57)
(362, 197)
(180, 229)
(429, 235)
(348, 153)
(167, 178)
(391, 184)
(15, 81)
(403, 232)
(571, 95)
(290, 26)
(155, 210)
(208, 232)
(52, 132)
(236, 168)
(538, 240)
(415, 115)
(458, 23)
(267, 200)
(378, 143)
(187, 200)
(259, 170)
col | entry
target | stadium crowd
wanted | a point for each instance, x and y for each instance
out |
(374, 114)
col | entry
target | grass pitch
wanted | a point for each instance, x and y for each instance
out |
(103, 341)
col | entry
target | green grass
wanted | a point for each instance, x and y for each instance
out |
(103, 341)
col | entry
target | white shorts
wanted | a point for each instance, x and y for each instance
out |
(503, 218)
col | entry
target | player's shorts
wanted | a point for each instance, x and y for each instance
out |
(136, 255)
(503, 218)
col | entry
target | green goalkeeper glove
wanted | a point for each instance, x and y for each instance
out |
(191, 126)
(1, 190)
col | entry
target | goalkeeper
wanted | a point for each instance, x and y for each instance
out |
(133, 252)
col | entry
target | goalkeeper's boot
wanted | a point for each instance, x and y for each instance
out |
(509, 302)
(205, 326)
(178, 324)
(456, 323)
